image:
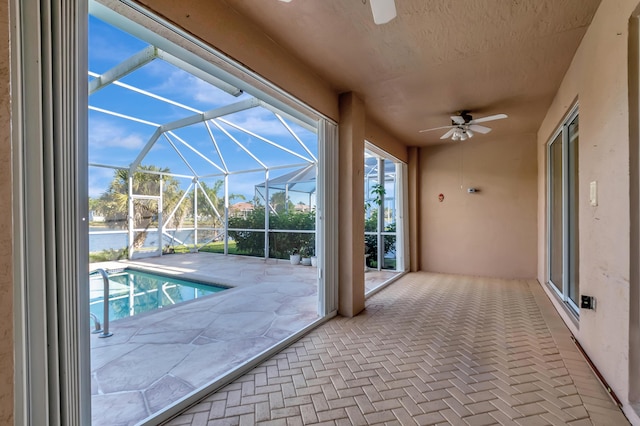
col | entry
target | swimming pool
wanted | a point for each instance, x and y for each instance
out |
(132, 292)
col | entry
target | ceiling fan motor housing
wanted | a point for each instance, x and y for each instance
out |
(465, 116)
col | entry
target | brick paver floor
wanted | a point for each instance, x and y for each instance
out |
(429, 349)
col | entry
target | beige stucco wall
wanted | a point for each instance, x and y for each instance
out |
(597, 78)
(491, 232)
(382, 139)
(6, 282)
(351, 206)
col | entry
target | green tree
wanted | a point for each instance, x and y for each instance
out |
(206, 211)
(114, 203)
(371, 225)
(280, 243)
(280, 204)
(95, 205)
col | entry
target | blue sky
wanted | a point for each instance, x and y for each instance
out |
(117, 141)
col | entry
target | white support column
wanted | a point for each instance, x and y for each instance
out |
(286, 198)
(267, 209)
(380, 227)
(130, 214)
(195, 215)
(327, 218)
(226, 214)
(402, 217)
(160, 218)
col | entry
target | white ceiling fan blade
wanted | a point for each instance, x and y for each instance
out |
(435, 128)
(480, 129)
(383, 10)
(489, 118)
(448, 134)
(457, 119)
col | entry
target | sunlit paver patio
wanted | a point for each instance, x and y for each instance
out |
(154, 359)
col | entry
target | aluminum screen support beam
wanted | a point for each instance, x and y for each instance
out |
(193, 119)
(202, 75)
(125, 67)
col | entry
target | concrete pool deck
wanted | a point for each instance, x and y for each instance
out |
(153, 359)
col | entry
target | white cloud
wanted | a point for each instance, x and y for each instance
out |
(105, 134)
(99, 180)
(261, 122)
(179, 82)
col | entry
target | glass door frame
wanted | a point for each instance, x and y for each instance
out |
(399, 207)
(569, 228)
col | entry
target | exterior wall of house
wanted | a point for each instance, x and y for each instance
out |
(6, 224)
(598, 80)
(491, 232)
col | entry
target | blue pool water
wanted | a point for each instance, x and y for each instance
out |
(132, 292)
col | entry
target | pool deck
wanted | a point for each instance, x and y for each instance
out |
(156, 358)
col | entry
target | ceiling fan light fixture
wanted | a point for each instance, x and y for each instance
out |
(383, 10)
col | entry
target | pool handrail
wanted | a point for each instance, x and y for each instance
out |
(96, 321)
(105, 313)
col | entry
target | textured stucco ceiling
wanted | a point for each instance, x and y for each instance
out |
(437, 57)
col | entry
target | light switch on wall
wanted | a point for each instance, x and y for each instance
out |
(593, 193)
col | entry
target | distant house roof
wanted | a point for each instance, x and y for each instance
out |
(301, 207)
(242, 206)
(302, 180)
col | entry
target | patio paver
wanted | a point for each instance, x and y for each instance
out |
(428, 349)
(155, 358)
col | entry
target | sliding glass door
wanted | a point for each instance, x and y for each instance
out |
(563, 214)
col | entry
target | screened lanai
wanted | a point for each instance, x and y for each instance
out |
(187, 158)
(173, 149)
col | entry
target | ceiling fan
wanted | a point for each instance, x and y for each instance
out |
(463, 126)
(383, 10)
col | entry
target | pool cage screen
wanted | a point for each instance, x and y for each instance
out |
(192, 161)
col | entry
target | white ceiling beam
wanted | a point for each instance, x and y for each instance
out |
(201, 155)
(215, 144)
(126, 117)
(184, 160)
(114, 18)
(211, 114)
(242, 147)
(202, 75)
(193, 119)
(250, 133)
(124, 68)
(302, 123)
(302, 144)
(145, 150)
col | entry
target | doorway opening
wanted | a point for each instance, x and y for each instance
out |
(198, 175)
